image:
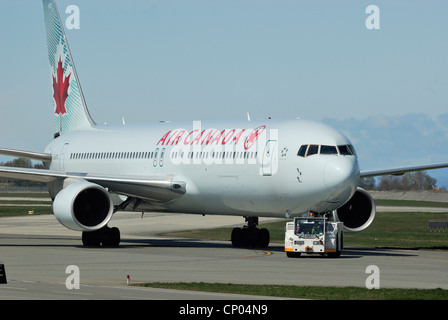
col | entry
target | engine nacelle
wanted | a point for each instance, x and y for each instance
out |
(358, 213)
(83, 206)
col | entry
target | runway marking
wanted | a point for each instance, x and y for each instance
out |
(265, 253)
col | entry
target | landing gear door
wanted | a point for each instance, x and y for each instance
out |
(269, 164)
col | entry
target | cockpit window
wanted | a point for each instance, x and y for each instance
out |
(344, 150)
(309, 150)
(302, 150)
(313, 149)
(328, 150)
(347, 150)
(352, 149)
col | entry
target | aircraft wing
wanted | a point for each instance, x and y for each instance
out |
(401, 171)
(160, 189)
(45, 157)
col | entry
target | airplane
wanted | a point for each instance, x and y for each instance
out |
(252, 169)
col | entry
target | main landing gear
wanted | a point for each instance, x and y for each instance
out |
(250, 235)
(108, 237)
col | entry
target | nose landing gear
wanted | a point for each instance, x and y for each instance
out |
(250, 235)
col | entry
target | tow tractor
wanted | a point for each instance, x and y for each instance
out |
(312, 234)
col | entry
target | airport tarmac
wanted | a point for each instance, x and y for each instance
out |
(36, 250)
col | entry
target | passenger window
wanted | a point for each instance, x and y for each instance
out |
(313, 149)
(302, 151)
(328, 150)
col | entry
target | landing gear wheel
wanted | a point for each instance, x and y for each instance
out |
(237, 237)
(91, 238)
(109, 237)
(264, 238)
(250, 235)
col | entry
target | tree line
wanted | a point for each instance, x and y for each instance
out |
(411, 181)
(22, 163)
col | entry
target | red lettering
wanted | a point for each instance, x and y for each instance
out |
(187, 137)
(177, 138)
(218, 137)
(238, 136)
(164, 138)
(231, 132)
(171, 137)
(198, 137)
(208, 136)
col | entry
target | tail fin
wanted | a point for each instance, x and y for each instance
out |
(70, 109)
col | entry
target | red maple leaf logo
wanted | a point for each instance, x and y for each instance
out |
(60, 88)
(253, 136)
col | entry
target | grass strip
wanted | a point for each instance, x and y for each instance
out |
(411, 203)
(307, 292)
(25, 194)
(27, 202)
(14, 211)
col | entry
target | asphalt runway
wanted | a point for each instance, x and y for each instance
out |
(36, 250)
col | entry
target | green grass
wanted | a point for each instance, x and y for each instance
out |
(401, 230)
(308, 292)
(38, 203)
(411, 203)
(20, 202)
(25, 194)
(13, 211)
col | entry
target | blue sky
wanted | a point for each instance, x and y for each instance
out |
(196, 60)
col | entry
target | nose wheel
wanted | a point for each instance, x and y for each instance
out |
(250, 235)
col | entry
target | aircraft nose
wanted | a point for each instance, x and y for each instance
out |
(341, 174)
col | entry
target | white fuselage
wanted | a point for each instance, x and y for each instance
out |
(242, 168)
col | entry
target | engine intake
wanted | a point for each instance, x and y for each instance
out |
(358, 213)
(83, 206)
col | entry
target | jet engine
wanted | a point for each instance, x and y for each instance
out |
(83, 206)
(358, 213)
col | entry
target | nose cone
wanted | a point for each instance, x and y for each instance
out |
(341, 176)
